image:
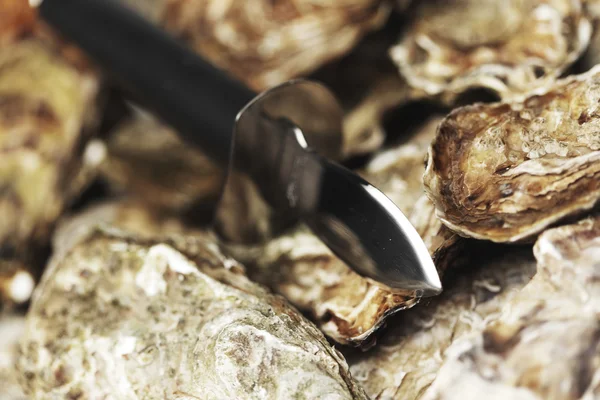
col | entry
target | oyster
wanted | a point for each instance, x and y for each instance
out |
(48, 107)
(11, 328)
(504, 172)
(264, 43)
(545, 344)
(414, 347)
(375, 89)
(149, 162)
(508, 47)
(346, 306)
(123, 317)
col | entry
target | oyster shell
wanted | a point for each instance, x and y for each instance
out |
(508, 47)
(592, 55)
(11, 328)
(48, 107)
(504, 172)
(264, 43)
(398, 173)
(415, 345)
(546, 342)
(346, 306)
(363, 123)
(149, 162)
(124, 317)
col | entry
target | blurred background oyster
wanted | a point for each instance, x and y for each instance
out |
(506, 46)
(49, 109)
(264, 43)
(148, 161)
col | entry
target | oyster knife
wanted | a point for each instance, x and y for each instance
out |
(272, 138)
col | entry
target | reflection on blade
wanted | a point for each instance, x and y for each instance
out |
(366, 230)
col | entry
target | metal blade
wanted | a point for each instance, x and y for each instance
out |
(367, 230)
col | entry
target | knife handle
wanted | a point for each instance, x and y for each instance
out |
(200, 101)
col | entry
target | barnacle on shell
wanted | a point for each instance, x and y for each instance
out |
(508, 47)
(116, 313)
(506, 171)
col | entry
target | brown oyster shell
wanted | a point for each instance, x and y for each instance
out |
(506, 171)
(508, 47)
(409, 355)
(264, 43)
(545, 344)
(124, 317)
(150, 163)
(347, 307)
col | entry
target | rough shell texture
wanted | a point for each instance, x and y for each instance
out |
(122, 317)
(11, 329)
(415, 345)
(509, 47)
(126, 214)
(348, 307)
(504, 172)
(47, 109)
(546, 343)
(149, 162)
(263, 42)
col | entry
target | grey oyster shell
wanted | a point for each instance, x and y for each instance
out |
(546, 342)
(506, 171)
(119, 316)
(508, 47)
(408, 357)
(505, 331)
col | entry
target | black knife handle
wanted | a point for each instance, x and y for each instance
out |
(200, 101)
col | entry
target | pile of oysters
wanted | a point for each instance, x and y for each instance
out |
(479, 119)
